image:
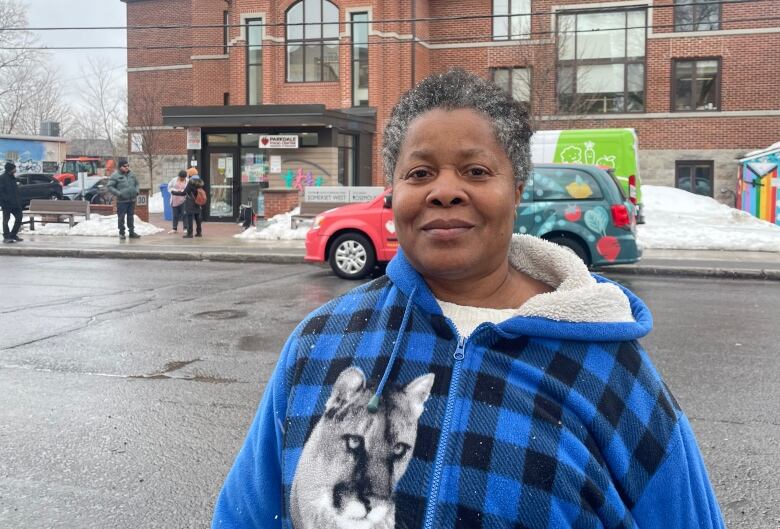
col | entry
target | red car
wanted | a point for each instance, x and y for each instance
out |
(355, 238)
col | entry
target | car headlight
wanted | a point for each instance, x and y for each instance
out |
(317, 222)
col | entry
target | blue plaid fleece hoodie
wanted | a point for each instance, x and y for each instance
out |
(380, 416)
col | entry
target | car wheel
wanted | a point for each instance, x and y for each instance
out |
(352, 256)
(573, 246)
(54, 196)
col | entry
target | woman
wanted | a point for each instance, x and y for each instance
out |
(191, 207)
(487, 381)
(176, 189)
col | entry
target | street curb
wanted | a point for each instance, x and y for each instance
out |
(230, 257)
(692, 271)
(282, 258)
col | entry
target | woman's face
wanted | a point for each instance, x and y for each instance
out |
(454, 195)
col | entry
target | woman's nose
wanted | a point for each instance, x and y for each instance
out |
(447, 190)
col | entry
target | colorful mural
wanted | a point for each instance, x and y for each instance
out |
(758, 186)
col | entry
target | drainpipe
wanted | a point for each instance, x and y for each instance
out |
(414, 38)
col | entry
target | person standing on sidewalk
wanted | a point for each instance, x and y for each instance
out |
(176, 189)
(191, 205)
(9, 201)
(124, 186)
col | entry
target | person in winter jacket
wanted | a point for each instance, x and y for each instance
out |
(9, 201)
(191, 208)
(124, 186)
(488, 380)
(176, 188)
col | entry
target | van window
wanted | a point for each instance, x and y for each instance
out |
(564, 184)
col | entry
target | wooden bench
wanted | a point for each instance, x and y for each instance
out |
(309, 210)
(57, 209)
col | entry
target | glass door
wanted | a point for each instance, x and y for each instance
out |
(222, 168)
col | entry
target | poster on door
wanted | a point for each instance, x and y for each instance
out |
(276, 164)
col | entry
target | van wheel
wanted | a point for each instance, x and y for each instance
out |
(352, 256)
(573, 246)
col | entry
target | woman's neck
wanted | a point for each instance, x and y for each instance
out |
(504, 288)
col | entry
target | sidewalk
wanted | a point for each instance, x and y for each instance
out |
(218, 244)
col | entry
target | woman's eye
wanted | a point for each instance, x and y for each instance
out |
(418, 174)
(477, 171)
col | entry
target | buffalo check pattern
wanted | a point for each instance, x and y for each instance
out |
(543, 434)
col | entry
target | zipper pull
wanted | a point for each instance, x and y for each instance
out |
(459, 351)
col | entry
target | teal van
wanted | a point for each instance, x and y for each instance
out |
(583, 208)
(616, 149)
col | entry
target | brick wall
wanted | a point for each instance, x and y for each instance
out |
(280, 201)
(748, 79)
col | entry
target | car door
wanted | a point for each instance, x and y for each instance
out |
(25, 191)
(40, 186)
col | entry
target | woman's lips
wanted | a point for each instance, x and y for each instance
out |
(444, 230)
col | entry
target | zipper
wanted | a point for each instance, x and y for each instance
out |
(438, 466)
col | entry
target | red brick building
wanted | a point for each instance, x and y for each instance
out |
(697, 79)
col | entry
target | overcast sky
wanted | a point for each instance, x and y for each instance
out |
(59, 13)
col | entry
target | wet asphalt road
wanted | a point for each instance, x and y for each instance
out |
(126, 387)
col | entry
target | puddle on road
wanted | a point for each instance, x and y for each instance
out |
(252, 343)
(226, 314)
(178, 364)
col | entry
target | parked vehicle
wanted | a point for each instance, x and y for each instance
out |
(95, 190)
(37, 185)
(71, 167)
(580, 207)
(614, 148)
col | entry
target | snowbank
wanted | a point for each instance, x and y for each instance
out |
(679, 220)
(97, 226)
(156, 203)
(277, 229)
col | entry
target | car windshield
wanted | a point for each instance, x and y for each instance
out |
(88, 182)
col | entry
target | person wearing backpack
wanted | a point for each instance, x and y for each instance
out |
(176, 189)
(194, 199)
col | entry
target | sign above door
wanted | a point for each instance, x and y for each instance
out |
(279, 142)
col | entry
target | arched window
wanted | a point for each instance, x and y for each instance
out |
(312, 42)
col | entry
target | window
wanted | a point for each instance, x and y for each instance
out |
(696, 15)
(516, 81)
(40, 179)
(225, 31)
(564, 184)
(359, 59)
(312, 42)
(696, 85)
(601, 61)
(517, 22)
(694, 176)
(254, 61)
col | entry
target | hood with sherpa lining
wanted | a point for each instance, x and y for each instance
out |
(583, 306)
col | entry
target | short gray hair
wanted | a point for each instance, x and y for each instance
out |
(458, 89)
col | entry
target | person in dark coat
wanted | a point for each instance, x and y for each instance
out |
(191, 208)
(9, 201)
(123, 184)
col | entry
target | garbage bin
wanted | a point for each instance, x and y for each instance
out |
(166, 197)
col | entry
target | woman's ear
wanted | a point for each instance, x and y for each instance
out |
(519, 193)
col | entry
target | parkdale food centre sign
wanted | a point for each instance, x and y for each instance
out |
(278, 142)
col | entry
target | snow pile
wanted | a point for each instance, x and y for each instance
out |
(679, 220)
(156, 203)
(97, 226)
(277, 229)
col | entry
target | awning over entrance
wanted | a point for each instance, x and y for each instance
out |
(358, 120)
